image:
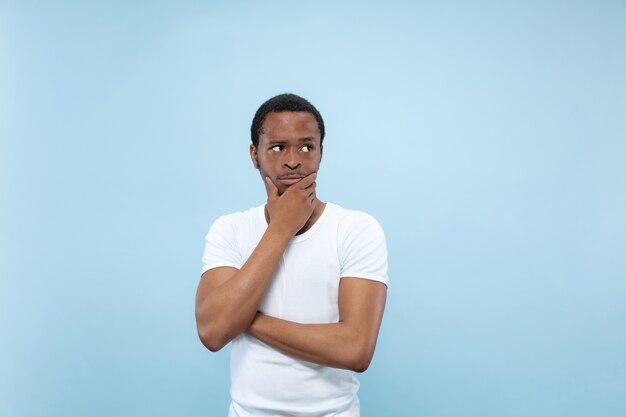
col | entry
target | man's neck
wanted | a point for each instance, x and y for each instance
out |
(317, 212)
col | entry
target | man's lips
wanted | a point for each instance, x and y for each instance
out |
(290, 179)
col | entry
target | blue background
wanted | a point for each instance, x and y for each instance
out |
(488, 138)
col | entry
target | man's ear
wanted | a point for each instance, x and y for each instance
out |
(253, 156)
(321, 152)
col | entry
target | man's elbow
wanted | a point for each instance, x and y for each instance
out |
(211, 339)
(361, 360)
(361, 365)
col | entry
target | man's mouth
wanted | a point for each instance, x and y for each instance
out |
(290, 179)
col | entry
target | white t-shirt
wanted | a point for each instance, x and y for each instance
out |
(304, 289)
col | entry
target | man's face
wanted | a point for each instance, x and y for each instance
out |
(289, 148)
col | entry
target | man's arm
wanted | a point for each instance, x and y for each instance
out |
(348, 344)
(228, 298)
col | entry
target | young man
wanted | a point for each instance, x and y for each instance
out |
(298, 285)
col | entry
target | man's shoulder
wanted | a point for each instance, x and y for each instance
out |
(352, 223)
(239, 220)
(350, 216)
(238, 216)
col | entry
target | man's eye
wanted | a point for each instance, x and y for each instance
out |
(276, 148)
(307, 148)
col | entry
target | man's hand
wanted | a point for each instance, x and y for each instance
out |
(291, 210)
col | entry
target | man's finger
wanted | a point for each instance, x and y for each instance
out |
(272, 191)
(311, 190)
(307, 181)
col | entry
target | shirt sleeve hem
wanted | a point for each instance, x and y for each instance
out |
(212, 266)
(371, 277)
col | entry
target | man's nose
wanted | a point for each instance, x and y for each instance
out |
(291, 160)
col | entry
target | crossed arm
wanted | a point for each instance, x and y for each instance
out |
(347, 344)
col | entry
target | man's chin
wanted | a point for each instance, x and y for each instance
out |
(282, 189)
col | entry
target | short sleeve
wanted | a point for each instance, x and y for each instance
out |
(220, 248)
(363, 251)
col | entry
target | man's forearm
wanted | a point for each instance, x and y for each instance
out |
(338, 345)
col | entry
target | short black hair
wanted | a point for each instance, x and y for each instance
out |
(280, 103)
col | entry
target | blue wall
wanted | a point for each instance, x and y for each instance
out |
(488, 139)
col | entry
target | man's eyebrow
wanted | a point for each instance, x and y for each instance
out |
(273, 142)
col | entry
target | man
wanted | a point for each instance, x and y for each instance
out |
(298, 285)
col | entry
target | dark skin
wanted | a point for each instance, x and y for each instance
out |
(288, 158)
